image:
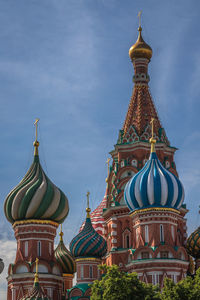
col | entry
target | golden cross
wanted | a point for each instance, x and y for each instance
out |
(36, 128)
(108, 163)
(152, 126)
(88, 195)
(139, 16)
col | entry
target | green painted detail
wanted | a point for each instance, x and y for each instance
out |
(30, 175)
(60, 207)
(154, 248)
(28, 196)
(133, 251)
(176, 248)
(46, 201)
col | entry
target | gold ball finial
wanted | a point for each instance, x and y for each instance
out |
(140, 49)
(88, 210)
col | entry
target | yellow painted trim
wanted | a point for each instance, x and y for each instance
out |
(88, 258)
(36, 222)
(155, 209)
(68, 275)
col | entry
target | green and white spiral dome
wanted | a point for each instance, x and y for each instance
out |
(36, 197)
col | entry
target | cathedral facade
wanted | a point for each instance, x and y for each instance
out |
(140, 224)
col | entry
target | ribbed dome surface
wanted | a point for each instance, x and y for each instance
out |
(88, 243)
(193, 244)
(35, 294)
(36, 197)
(153, 186)
(65, 259)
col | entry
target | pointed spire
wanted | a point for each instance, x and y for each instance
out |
(152, 141)
(36, 280)
(88, 210)
(36, 143)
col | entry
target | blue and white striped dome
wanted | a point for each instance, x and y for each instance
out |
(153, 186)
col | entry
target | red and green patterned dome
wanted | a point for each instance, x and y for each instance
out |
(88, 243)
(193, 244)
(36, 197)
(64, 257)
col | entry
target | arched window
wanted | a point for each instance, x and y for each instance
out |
(162, 233)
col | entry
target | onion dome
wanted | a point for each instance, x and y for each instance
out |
(140, 49)
(36, 293)
(153, 186)
(36, 197)
(88, 243)
(64, 257)
(193, 244)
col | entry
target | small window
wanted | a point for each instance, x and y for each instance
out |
(91, 272)
(129, 173)
(167, 164)
(39, 248)
(134, 163)
(145, 255)
(122, 164)
(82, 271)
(161, 233)
(172, 232)
(164, 254)
(127, 241)
(146, 234)
(26, 248)
(155, 279)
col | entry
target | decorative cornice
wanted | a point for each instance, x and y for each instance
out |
(32, 221)
(88, 258)
(153, 209)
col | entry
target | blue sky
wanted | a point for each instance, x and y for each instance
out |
(66, 62)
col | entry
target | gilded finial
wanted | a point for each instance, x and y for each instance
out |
(88, 210)
(152, 140)
(36, 143)
(139, 16)
(61, 233)
(36, 280)
(108, 163)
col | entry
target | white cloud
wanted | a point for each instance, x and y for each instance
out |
(7, 253)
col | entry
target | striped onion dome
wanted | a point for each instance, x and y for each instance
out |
(64, 257)
(36, 197)
(36, 293)
(193, 244)
(153, 186)
(88, 243)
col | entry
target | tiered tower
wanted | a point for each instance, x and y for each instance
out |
(129, 156)
(35, 208)
(88, 248)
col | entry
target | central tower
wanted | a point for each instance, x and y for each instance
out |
(112, 217)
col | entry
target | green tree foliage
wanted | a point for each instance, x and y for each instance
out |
(117, 285)
(186, 289)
